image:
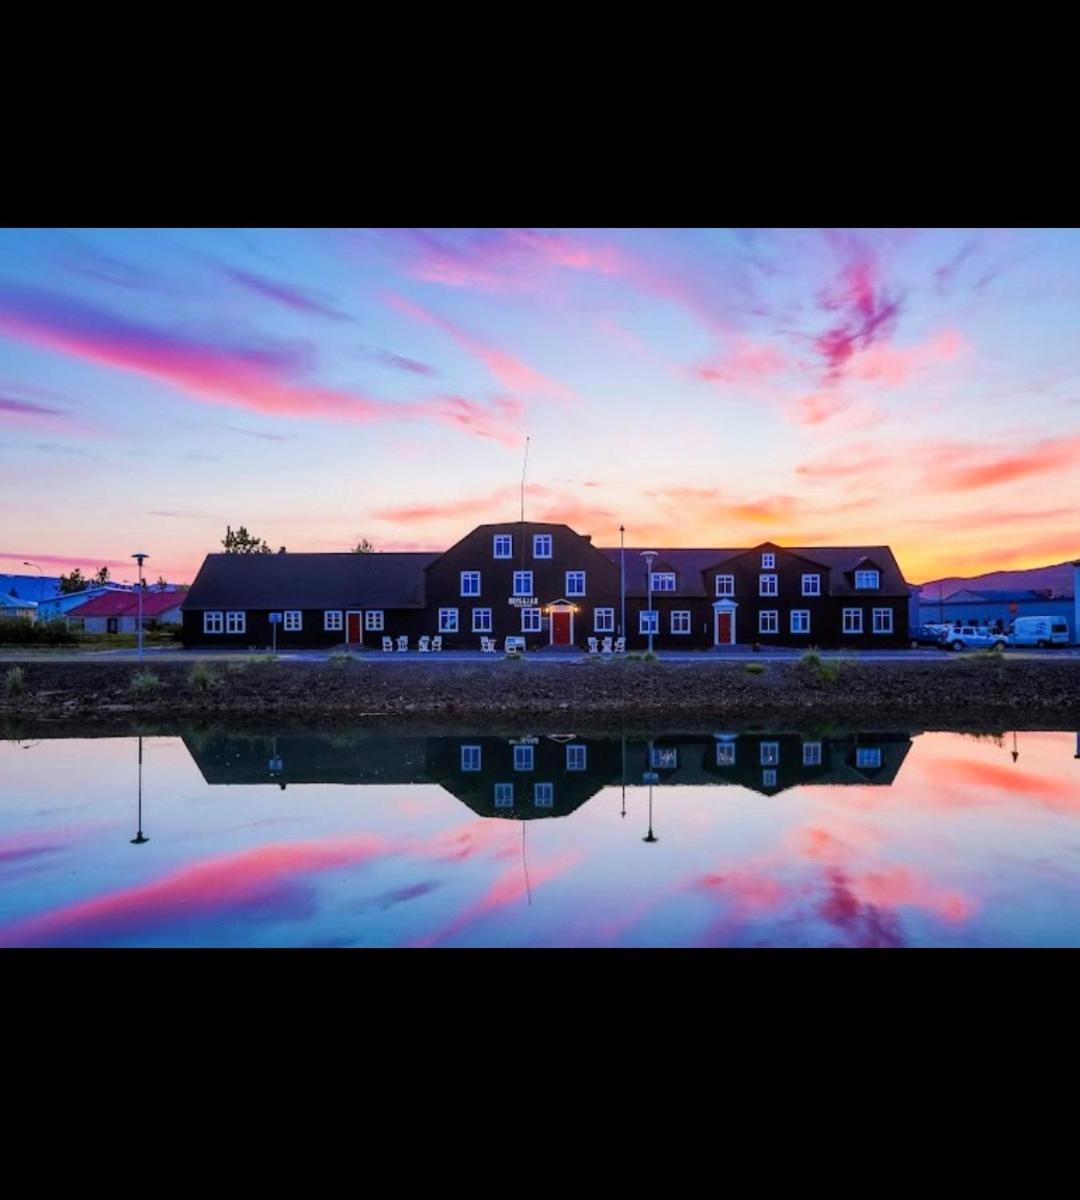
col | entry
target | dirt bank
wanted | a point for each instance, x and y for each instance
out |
(964, 690)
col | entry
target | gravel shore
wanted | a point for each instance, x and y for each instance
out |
(968, 689)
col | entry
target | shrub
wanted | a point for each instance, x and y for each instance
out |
(14, 682)
(202, 677)
(822, 669)
(145, 684)
(754, 669)
(17, 631)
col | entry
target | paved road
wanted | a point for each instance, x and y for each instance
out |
(169, 654)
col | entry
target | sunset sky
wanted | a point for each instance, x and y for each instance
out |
(919, 388)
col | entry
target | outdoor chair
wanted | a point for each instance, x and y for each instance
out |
(425, 644)
(620, 645)
(403, 642)
(514, 643)
(388, 644)
(593, 645)
(487, 645)
(605, 646)
(436, 643)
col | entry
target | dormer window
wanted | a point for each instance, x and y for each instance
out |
(504, 545)
(768, 562)
(542, 545)
(867, 579)
(663, 581)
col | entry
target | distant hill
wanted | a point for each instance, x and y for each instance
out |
(1059, 578)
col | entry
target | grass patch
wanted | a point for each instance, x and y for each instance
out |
(203, 678)
(14, 682)
(824, 670)
(145, 684)
(754, 668)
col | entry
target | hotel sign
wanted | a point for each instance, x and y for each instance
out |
(523, 601)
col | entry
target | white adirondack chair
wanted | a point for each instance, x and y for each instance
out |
(388, 644)
(425, 644)
(605, 646)
(487, 645)
(593, 645)
(620, 645)
(436, 642)
(403, 642)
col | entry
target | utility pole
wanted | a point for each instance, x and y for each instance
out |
(648, 556)
(622, 581)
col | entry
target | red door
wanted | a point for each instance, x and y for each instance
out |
(353, 634)
(723, 628)
(560, 628)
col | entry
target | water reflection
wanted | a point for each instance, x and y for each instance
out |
(336, 837)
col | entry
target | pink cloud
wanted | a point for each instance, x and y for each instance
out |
(748, 360)
(893, 366)
(956, 467)
(867, 312)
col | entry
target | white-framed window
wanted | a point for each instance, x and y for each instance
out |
(680, 621)
(648, 621)
(811, 585)
(481, 620)
(770, 754)
(531, 620)
(768, 779)
(811, 754)
(541, 545)
(523, 583)
(523, 758)
(504, 795)
(853, 620)
(448, 620)
(768, 562)
(470, 583)
(236, 622)
(768, 621)
(470, 758)
(725, 585)
(294, 620)
(867, 579)
(503, 546)
(800, 620)
(576, 757)
(604, 620)
(373, 620)
(767, 585)
(882, 620)
(664, 758)
(725, 754)
(663, 581)
(333, 620)
(213, 622)
(575, 583)
(543, 795)
(868, 757)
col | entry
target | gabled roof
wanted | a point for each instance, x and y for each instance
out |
(16, 602)
(297, 581)
(687, 563)
(126, 604)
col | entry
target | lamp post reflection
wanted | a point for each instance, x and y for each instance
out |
(139, 838)
(1015, 752)
(650, 778)
(624, 771)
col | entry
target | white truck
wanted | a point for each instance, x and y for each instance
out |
(1039, 631)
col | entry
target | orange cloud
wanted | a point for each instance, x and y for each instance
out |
(957, 467)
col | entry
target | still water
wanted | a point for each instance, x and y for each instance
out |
(721, 838)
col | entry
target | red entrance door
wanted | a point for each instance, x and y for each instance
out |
(560, 628)
(723, 628)
(353, 634)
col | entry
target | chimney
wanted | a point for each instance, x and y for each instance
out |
(587, 537)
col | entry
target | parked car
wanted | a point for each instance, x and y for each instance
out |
(1040, 631)
(973, 637)
(924, 635)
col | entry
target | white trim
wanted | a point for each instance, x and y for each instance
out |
(768, 612)
(844, 621)
(665, 575)
(444, 620)
(770, 754)
(727, 593)
(527, 762)
(799, 612)
(815, 579)
(546, 798)
(333, 620)
(535, 625)
(509, 537)
(526, 591)
(773, 590)
(723, 606)
(609, 625)
(874, 620)
(550, 545)
(213, 621)
(680, 612)
(374, 621)
(569, 590)
(648, 612)
(868, 587)
(471, 758)
(232, 625)
(811, 754)
(485, 625)
(768, 562)
(293, 621)
(470, 575)
(577, 756)
(504, 795)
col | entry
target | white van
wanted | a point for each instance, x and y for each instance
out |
(1040, 631)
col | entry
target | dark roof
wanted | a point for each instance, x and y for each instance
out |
(271, 581)
(689, 564)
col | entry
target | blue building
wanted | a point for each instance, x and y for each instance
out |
(1000, 607)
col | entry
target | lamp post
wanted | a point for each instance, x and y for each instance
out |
(648, 556)
(650, 836)
(140, 558)
(139, 839)
(622, 581)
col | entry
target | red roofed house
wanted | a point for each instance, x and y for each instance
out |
(118, 612)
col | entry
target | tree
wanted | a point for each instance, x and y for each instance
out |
(363, 546)
(102, 577)
(161, 585)
(72, 583)
(241, 542)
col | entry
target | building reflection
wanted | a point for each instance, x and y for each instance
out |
(537, 776)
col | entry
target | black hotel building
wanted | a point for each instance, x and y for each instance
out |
(552, 587)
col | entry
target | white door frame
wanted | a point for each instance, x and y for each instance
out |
(358, 612)
(560, 606)
(720, 606)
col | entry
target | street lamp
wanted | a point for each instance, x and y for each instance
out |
(650, 836)
(622, 581)
(140, 558)
(648, 556)
(139, 839)
(41, 580)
